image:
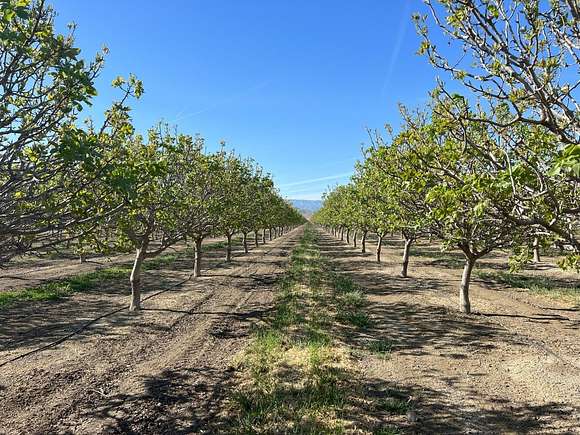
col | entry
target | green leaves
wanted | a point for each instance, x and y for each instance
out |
(568, 161)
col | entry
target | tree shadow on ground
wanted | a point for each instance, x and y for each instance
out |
(421, 330)
(29, 324)
(197, 400)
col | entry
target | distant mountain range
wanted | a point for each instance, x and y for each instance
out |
(307, 206)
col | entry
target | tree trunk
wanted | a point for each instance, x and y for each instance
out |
(197, 259)
(464, 304)
(379, 247)
(256, 243)
(270, 233)
(536, 248)
(264, 236)
(348, 236)
(363, 242)
(245, 242)
(135, 280)
(354, 238)
(229, 248)
(406, 253)
(342, 234)
(82, 258)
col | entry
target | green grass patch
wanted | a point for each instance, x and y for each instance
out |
(355, 318)
(161, 261)
(64, 287)
(542, 285)
(393, 405)
(382, 348)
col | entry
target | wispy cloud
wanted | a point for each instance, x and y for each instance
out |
(316, 180)
(293, 190)
(181, 115)
(315, 196)
(403, 25)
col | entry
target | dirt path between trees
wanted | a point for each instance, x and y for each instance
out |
(164, 370)
(512, 367)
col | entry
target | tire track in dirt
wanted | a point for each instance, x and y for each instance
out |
(167, 378)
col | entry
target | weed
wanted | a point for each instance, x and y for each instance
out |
(393, 405)
(352, 300)
(355, 318)
(543, 285)
(61, 288)
(381, 348)
(343, 284)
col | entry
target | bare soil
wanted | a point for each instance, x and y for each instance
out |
(162, 370)
(511, 367)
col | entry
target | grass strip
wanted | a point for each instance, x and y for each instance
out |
(297, 376)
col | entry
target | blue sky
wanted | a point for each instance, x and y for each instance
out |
(292, 84)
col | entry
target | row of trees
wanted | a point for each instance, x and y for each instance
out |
(105, 187)
(496, 168)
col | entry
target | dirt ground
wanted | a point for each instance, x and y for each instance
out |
(162, 370)
(512, 367)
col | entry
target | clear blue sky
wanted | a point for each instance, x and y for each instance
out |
(292, 83)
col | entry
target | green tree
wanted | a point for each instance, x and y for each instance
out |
(48, 165)
(156, 213)
(520, 60)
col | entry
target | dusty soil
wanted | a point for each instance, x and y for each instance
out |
(163, 370)
(511, 367)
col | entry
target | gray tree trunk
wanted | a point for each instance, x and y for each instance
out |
(354, 238)
(82, 258)
(270, 233)
(348, 236)
(264, 236)
(245, 242)
(197, 259)
(536, 248)
(229, 248)
(406, 253)
(135, 280)
(342, 234)
(379, 247)
(363, 242)
(464, 304)
(256, 238)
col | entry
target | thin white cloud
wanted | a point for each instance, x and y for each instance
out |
(404, 24)
(315, 180)
(311, 196)
(181, 116)
(293, 191)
